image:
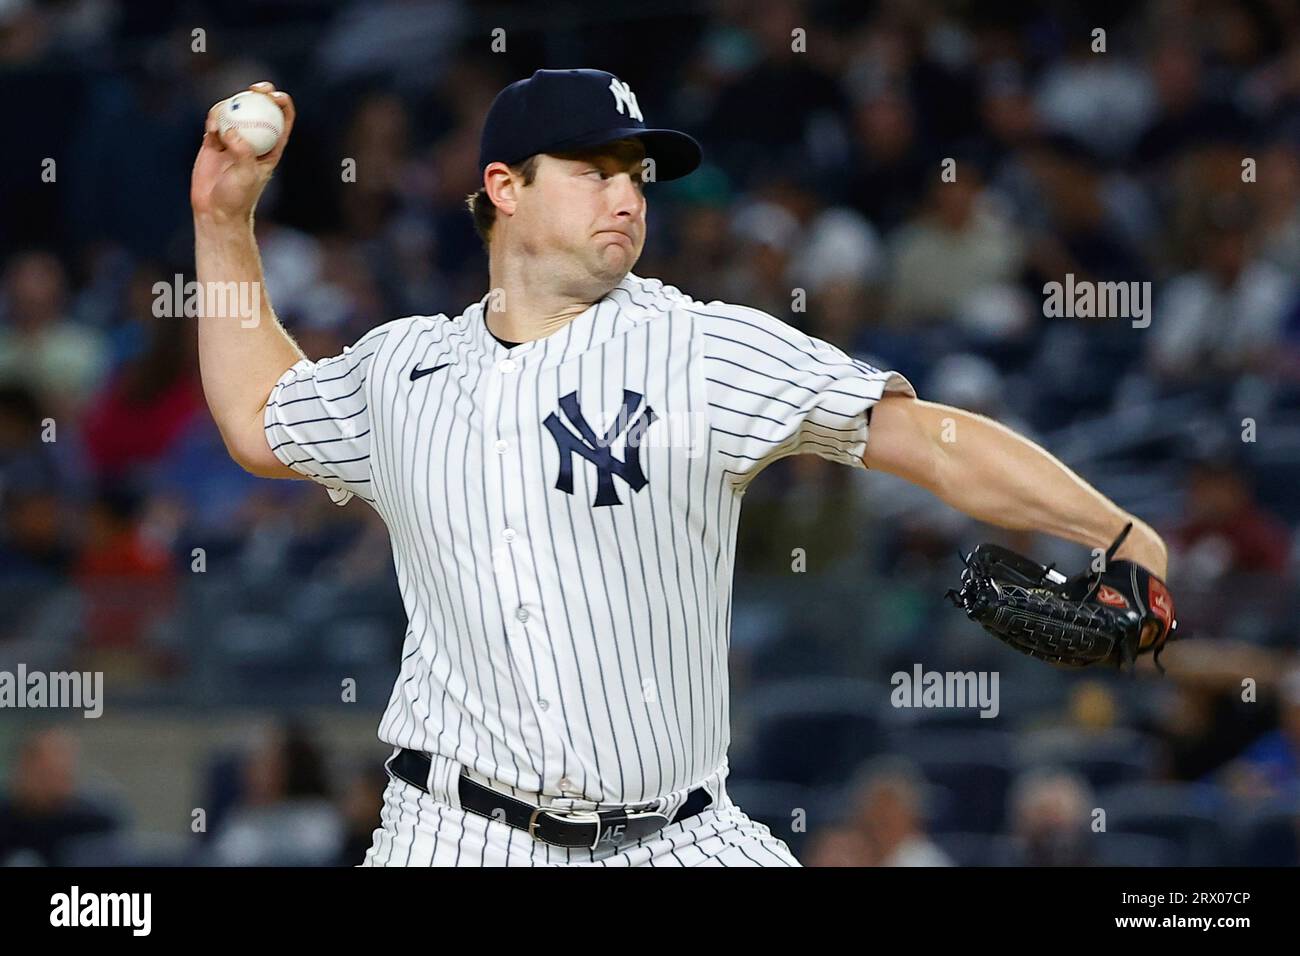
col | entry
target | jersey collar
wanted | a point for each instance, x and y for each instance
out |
(612, 314)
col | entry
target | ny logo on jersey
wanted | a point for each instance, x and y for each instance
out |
(597, 449)
(623, 96)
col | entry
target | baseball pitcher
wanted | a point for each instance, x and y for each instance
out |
(561, 468)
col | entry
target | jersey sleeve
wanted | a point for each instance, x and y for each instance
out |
(318, 418)
(774, 391)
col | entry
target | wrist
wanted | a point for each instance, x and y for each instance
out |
(222, 225)
(1144, 547)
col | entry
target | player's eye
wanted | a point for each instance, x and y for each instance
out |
(635, 175)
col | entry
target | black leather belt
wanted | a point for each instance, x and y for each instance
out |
(554, 825)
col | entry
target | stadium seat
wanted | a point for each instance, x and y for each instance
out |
(1268, 836)
(358, 641)
(922, 720)
(1275, 484)
(1133, 849)
(259, 659)
(975, 765)
(813, 732)
(1187, 814)
(129, 849)
(1105, 759)
(974, 849)
(252, 639)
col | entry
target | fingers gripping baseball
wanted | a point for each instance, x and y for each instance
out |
(229, 175)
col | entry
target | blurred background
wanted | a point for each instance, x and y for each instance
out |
(226, 611)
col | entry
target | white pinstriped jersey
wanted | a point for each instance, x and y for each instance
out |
(563, 517)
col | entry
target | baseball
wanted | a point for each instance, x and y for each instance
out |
(256, 117)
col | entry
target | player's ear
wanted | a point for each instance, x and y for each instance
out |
(501, 186)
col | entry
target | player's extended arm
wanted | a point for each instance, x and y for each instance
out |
(990, 473)
(241, 357)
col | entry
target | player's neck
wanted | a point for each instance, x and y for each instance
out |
(522, 307)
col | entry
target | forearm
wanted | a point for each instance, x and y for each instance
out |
(991, 473)
(241, 355)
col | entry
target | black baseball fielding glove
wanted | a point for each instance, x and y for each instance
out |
(1107, 617)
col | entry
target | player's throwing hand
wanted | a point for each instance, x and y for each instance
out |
(228, 177)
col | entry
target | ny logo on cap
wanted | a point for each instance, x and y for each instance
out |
(623, 96)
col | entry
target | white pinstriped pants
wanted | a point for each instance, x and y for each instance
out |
(430, 829)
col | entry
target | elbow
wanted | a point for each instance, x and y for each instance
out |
(262, 463)
(268, 467)
(249, 450)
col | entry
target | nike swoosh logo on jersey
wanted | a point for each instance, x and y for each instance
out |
(421, 372)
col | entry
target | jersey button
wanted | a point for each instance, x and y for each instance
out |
(506, 365)
(543, 703)
(522, 615)
(567, 784)
(501, 446)
(508, 534)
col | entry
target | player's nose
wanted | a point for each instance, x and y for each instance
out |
(629, 200)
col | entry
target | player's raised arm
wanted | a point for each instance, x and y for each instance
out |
(241, 355)
(995, 475)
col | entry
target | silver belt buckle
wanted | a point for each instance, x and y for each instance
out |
(588, 816)
(593, 816)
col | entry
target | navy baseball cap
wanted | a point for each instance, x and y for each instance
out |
(555, 111)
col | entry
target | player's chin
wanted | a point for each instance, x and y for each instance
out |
(609, 244)
(615, 257)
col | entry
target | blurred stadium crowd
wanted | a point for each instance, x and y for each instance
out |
(131, 544)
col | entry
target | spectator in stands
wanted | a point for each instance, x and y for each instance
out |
(126, 580)
(959, 246)
(780, 80)
(25, 33)
(1270, 767)
(891, 169)
(1050, 819)
(1107, 99)
(40, 346)
(1224, 529)
(809, 504)
(888, 802)
(41, 809)
(839, 248)
(362, 794)
(406, 41)
(34, 539)
(1278, 211)
(842, 311)
(285, 817)
(1188, 115)
(1082, 226)
(838, 846)
(1225, 318)
(1009, 121)
(35, 549)
(767, 234)
(149, 402)
(704, 247)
